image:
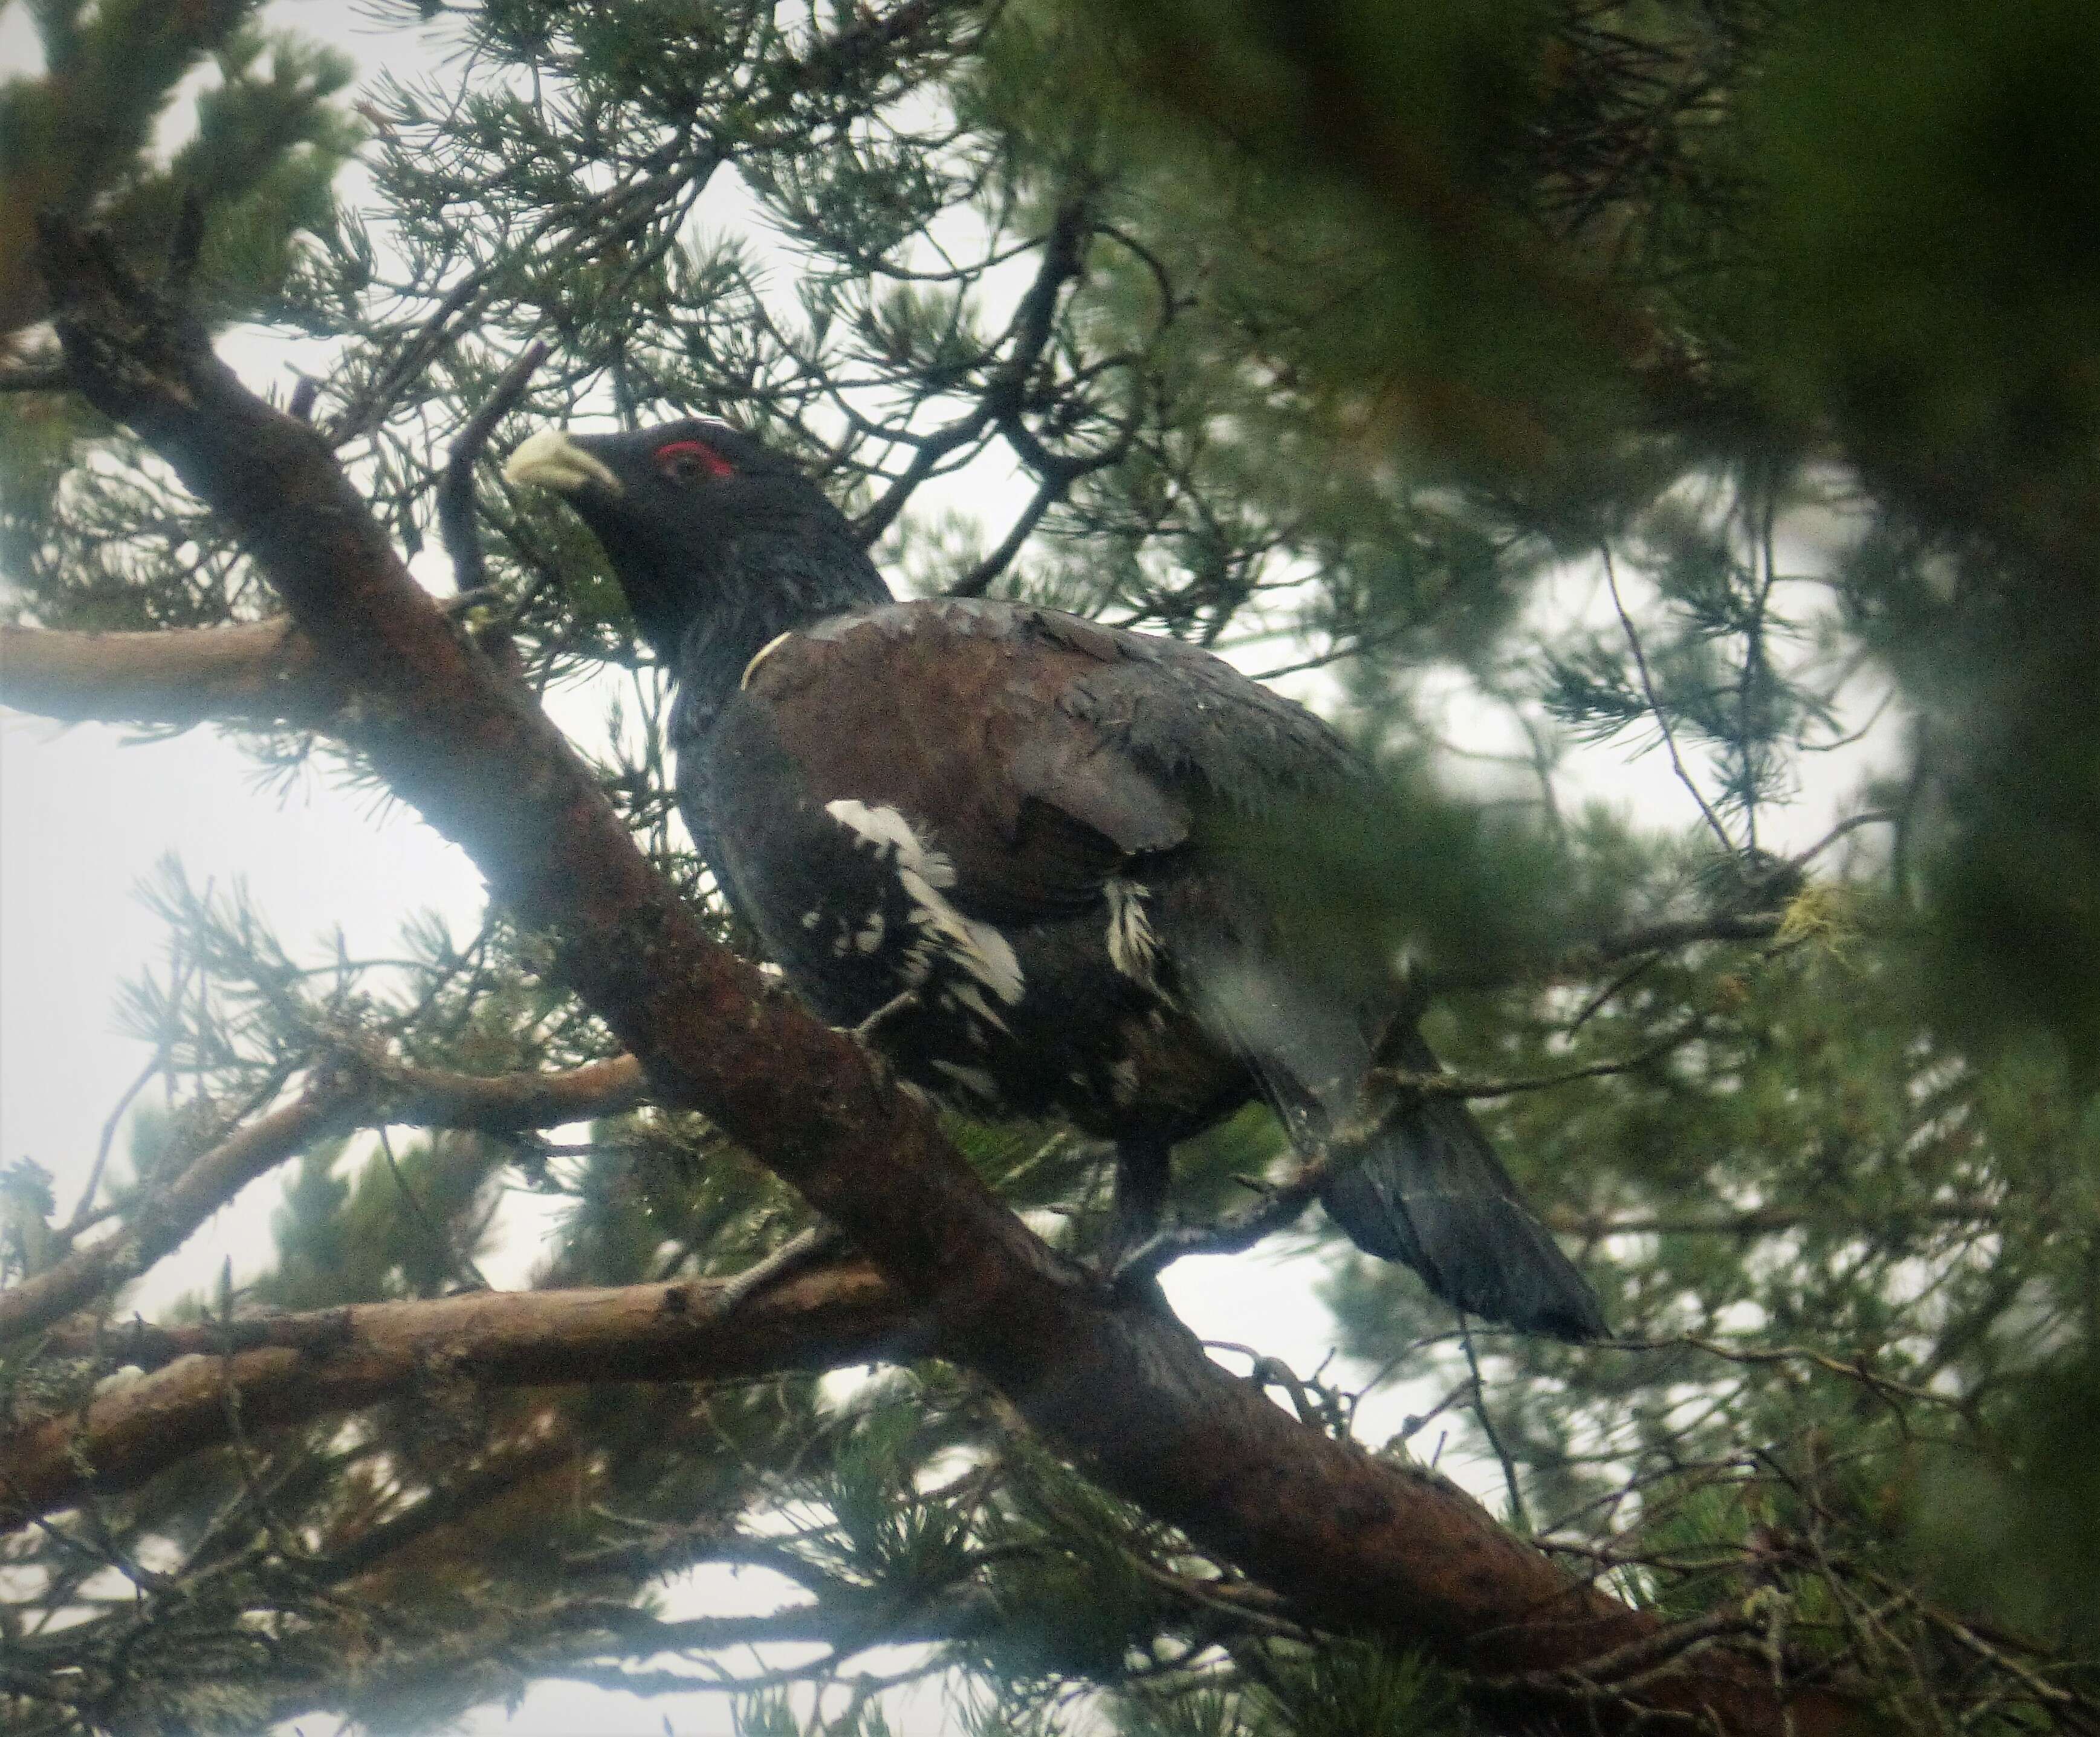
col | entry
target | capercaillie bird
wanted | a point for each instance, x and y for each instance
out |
(986, 818)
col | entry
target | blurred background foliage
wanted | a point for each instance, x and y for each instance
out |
(1710, 383)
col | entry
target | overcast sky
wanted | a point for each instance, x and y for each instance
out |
(85, 818)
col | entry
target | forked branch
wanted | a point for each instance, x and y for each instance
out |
(365, 1092)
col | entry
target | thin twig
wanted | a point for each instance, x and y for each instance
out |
(1844, 828)
(1753, 653)
(456, 528)
(1520, 1514)
(902, 1002)
(1408, 1083)
(1283, 1205)
(1662, 718)
(1882, 1386)
(1595, 1004)
(78, 1222)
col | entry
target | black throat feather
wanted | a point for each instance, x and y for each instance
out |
(715, 575)
(765, 585)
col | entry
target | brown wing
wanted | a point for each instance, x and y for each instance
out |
(1043, 753)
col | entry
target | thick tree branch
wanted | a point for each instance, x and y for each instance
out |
(1356, 1544)
(266, 673)
(504, 1103)
(369, 1091)
(294, 1367)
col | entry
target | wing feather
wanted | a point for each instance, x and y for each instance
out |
(1045, 753)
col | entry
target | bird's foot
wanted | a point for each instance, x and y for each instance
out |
(463, 603)
(801, 1251)
(864, 1033)
(1138, 1206)
(1129, 1266)
(1277, 1208)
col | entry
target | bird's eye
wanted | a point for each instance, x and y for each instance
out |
(689, 461)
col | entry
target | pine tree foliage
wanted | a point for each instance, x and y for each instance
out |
(1703, 383)
(82, 134)
(246, 189)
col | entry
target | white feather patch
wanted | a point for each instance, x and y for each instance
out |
(970, 996)
(978, 948)
(1133, 947)
(887, 829)
(1124, 1074)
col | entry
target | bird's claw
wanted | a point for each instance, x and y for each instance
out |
(1128, 1266)
(1231, 1235)
(463, 603)
(800, 1252)
(864, 1033)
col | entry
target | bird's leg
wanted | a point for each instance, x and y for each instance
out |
(798, 1254)
(903, 1001)
(1144, 1166)
(1280, 1205)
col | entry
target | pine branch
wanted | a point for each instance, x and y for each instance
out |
(1385, 1095)
(1356, 1544)
(1660, 713)
(297, 1368)
(164, 1222)
(1593, 957)
(368, 1090)
(266, 673)
(1403, 1083)
(1000, 404)
(456, 523)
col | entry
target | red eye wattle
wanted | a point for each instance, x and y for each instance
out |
(691, 458)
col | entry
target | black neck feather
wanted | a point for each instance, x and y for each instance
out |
(761, 587)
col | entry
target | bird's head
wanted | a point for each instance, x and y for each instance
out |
(703, 522)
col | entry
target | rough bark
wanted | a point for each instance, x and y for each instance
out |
(1356, 1544)
(293, 1368)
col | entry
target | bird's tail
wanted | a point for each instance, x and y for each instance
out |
(1430, 1192)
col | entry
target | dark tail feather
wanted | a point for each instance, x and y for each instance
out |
(1432, 1193)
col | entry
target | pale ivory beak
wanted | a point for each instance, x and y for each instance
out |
(550, 460)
